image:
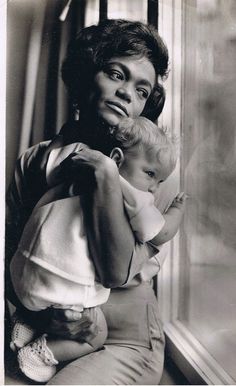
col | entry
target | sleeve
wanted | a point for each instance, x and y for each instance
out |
(142, 254)
(145, 219)
(28, 185)
(147, 259)
(20, 199)
(55, 158)
(23, 193)
(167, 191)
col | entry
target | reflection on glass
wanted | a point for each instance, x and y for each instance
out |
(208, 249)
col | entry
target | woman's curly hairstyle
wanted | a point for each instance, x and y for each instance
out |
(95, 45)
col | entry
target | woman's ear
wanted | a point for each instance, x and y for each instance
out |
(117, 155)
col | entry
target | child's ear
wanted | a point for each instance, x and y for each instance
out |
(117, 155)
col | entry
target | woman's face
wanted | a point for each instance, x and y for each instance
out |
(121, 89)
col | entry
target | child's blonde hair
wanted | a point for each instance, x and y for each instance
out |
(134, 133)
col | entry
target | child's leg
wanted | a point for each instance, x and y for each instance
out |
(38, 359)
(65, 350)
(22, 333)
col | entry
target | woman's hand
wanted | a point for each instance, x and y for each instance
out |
(85, 166)
(73, 325)
(86, 157)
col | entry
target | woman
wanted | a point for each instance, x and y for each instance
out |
(111, 71)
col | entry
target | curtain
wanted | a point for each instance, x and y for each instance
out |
(37, 104)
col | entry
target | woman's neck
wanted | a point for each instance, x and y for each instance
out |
(86, 130)
(89, 128)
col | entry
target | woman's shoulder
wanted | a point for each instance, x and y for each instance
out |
(34, 149)
(26, 158)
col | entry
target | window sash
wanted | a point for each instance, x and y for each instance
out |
(196, 363)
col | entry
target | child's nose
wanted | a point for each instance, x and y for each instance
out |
(152, 188)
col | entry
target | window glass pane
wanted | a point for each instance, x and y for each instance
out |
(91, 12)
(131, 10)
(208, 238)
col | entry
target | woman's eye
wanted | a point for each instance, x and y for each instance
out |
(143, 92)
(114, 74)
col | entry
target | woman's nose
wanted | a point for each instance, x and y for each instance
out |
(124, 93)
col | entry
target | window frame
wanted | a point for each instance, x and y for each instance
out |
(195, 362)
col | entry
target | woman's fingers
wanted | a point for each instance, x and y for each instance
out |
(81, 167)
(81, 158)
(72, 324)
(88, 156)
(66, 315)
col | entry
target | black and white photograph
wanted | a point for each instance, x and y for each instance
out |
(119, 180)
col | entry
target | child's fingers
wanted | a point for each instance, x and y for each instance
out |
(182, 196)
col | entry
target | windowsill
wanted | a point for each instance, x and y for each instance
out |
(192, 358)
(171, 374)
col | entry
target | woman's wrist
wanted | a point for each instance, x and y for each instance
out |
(107, 173)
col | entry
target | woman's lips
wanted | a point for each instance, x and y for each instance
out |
(117, 107)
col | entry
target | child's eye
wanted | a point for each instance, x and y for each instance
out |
(143, 92)
(150, 173)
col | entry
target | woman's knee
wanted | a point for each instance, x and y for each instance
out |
(101, 327)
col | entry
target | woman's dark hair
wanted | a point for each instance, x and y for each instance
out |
(95, 45)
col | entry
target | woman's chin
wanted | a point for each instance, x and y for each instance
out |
(111, 119)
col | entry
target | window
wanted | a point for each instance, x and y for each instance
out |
(131, 10)
(198, 283)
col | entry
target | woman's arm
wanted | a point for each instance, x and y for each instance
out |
(110, 238)
(117, 257)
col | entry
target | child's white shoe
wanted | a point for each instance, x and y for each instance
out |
(22, 333)
(37, 361)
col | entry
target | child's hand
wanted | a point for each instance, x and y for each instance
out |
(179, 201)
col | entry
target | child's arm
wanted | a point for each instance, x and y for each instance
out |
(173, 218)
(145, 219)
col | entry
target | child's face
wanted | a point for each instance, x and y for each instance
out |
(142, 170)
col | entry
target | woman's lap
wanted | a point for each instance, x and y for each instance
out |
(114, 365)
(134, 350)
